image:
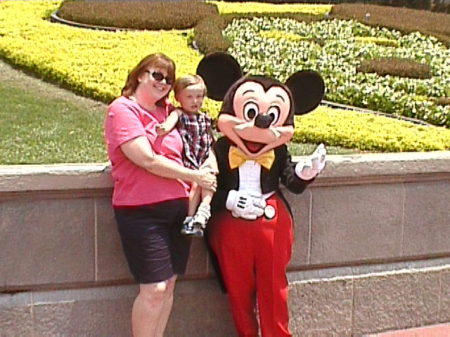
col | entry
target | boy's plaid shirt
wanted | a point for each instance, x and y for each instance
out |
(196, 133)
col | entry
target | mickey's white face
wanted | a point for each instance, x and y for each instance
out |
(252, 100)
(257, 124)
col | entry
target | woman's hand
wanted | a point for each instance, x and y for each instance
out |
(206, 178)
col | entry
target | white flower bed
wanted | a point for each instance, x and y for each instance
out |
(338, 55)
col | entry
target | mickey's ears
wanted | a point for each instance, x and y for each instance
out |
(219, 71)
(307, 88)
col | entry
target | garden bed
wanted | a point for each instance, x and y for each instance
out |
(96, 63)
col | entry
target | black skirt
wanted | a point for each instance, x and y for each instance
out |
(151, 240)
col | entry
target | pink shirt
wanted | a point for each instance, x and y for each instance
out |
(133, 185)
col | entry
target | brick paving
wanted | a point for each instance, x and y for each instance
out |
(440, 330)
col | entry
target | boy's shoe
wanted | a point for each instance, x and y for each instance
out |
(202, 216)
(190, 228)
(187, 225)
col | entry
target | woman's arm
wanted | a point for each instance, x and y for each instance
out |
(139, 151)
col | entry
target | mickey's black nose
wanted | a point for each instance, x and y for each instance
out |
(263, 121)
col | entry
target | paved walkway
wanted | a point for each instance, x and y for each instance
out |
(440, 330)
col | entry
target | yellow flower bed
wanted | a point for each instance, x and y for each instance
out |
(278, 35)
(94, 63)
(258, 7)
(368, 132)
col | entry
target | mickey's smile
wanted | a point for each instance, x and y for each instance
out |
(253, 147)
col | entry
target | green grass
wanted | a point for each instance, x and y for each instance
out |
(41, 130)
(38, 130)
(299, 149)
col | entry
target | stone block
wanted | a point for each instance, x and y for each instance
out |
(198, 259)
(321, 307)
(300, 206)
(200, 309)
(93, 312)
(111, 262)
(16, 315)
(444, 314)
(427, 218)
(438, 330)
(52, 239)
(392, 301)
(356, 223)
(16, 322)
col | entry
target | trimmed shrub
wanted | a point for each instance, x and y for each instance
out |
(137, 14)
(403, 19)
(208, 35)
(443, 101)
(395, 67)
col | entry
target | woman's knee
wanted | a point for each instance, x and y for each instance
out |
(157, 292)
(170, 284)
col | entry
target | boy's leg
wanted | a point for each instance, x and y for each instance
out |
(203, 213)
(207, 196)
(188, 224)
(194, 198)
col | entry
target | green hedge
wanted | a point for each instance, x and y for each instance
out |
(403, 19)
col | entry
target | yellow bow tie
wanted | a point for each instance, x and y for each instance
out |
(236, 158)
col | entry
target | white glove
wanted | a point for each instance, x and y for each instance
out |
(311, 166)
(246, 205)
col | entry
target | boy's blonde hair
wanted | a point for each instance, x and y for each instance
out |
(186, 81)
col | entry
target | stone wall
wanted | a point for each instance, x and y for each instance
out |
(372, 253)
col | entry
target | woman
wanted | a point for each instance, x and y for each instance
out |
(150, 197)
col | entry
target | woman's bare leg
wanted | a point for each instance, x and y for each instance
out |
(167, 308)
(151, 308)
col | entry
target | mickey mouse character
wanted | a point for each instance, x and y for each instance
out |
(251, 230)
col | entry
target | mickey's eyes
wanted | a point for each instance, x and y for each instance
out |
(274, 112)
(251, 109)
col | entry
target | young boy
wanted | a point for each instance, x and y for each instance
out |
(195, 129)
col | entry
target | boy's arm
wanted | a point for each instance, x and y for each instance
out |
(211, 162)
(170, 122)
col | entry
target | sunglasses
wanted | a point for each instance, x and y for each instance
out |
(158, 76)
